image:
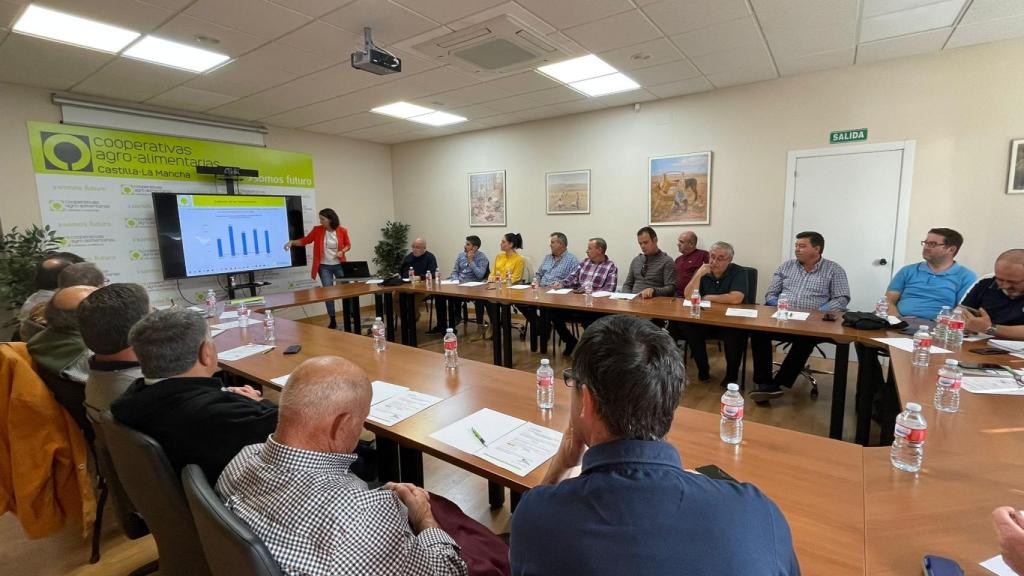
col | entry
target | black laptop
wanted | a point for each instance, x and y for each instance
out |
(355, 271)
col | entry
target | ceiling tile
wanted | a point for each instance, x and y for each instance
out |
(506, 119)
(555, 95)
(413, 64)
(678, 16)
(314, 8)
(256, 17)
(717, 37)
(37, 62)
(252, 107)
(986, 31)
(445, 11)
(325, 40)
(513, 104)
(135, 16)
(625, 98)
(8, 14)
(682, 87)
(664, 73)
(816, 62)
(349, 123)
(431, 82)
(930, 17)
(614, 32)
(922, 43)
(185, 98)
(748, 56)
(531, 114)
(132, 80)
(390, 22)
(184, 29)
(647, 54)
(173, 5)
(242, 77)
(789, 45)
(567, 13)
(284, 57)
(465, 96)
(744, 75)
(874, 8)
(523, 82)
(794, 15)
(390, 129)
(337, 107)
(473, 112)
(3, 34)
(982, 10)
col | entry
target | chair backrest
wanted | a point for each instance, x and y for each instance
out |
(751, 296)
(71, 396)
(153, 487)
(231, 547)
(127, 514)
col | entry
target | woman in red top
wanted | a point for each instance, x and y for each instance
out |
(330, 244)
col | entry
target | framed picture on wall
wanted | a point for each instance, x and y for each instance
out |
(1015, 183)
(568, 192)
(679, 189)
(487, 198)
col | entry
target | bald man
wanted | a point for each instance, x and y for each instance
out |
(419, 259)
(995, 306)
(689, 261)
(298, 495)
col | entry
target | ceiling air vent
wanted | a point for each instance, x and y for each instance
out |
(499, 45)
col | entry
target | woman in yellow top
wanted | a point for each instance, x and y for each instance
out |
(509, 259)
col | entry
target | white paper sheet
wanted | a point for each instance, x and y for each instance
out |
(227, 325)
(703, 303)
(473, 284)
(1009, 345)
(375, 281)
(560, 291)
(243, 352)
(490, 424)
(520, 286)
(523, 449)
(401, 406)
(281, 380)
(601, 294)
(893, 320)
(447, 282)
(195, 309)
(742, 312)
(622, 296)
(228, 315)
(215, 331)
(793, 315)
(384, 390)
(976, 337)
(997, 565)
(907, 344)
(992, 385)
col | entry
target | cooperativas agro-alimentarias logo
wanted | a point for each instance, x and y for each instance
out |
(68, 152)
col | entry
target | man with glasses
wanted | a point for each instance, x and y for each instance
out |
(689, 261)
(652, 273)
(633, 504)
(995, 306)
(920, 290)
(597, 270)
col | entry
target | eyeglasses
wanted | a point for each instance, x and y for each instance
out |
(568, 376)
(932, 244)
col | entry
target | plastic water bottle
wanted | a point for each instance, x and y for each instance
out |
(922, 346)
(430, 280)
(412, 275)
(451, 350)
(783, 306)
(731, 427)
(380, 341)
(211, 303)
(882, 308)
(535, 287)
(508, 278)
(269, 337)
(545, 385)
(907, 451)
(947, 387)
(588, 294)
(695, 304)
(955, 329)
(942, 323)
(243, 315)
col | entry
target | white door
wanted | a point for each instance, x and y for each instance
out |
(852, 197)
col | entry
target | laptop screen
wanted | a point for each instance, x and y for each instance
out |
(356, 269)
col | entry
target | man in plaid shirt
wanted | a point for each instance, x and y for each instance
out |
(810, 282)
(297, 494)
(601, 273)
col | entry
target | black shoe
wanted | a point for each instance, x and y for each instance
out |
(767, 393)
(436, 330)
(703, 376)
(334, 323)
(570, 346)
(727, 380)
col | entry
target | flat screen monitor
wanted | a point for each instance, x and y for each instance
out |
(208, 234)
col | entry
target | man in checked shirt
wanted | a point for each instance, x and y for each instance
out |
(297, 494)
(810, 282)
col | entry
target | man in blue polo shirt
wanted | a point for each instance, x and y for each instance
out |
(634, 509)
(921, 290)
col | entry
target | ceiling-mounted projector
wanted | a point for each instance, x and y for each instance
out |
(375, 60)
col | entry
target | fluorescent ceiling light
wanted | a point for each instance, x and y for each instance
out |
(610, 84)
(577, 69)
(401, 110)
(438, 119)
(175, 54)
(54, 25)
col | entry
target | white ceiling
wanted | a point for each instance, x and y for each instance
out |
(291, 67)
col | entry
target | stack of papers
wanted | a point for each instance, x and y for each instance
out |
(742, 312)
(520, 286)
(505, 441)
(622, 296)
(1008, 345)
(993, 385)
(792, 315)
(392, 403)
(703, 303)
(229, 315)
(243, 352)
(472, 284)
(446, 282)
(560, 291)
(226, 325)
(907, 344)
(601, 294)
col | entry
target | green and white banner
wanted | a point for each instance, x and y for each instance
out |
(94, 189)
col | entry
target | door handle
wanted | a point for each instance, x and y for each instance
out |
(882, 261)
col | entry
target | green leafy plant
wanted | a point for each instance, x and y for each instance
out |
(391, 249)
(20, 251)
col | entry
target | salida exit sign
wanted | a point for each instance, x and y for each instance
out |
(848, 136)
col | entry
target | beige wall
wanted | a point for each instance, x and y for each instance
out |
(962, 107)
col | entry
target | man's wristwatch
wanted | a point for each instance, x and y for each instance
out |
(991, 330)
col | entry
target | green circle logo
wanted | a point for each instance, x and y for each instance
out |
(130, 222)
(69, 152)
(135, 255)
(63, 241)
(200, 296)
(56, 206)
(126, 190)
(184, 200)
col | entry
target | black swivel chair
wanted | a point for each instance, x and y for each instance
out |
(154, 488)
(229, 544)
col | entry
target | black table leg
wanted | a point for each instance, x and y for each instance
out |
(493, 312)
(842, 364)
(378, 305)
(506, 334)
(866, 390)
(388, 467)
(407, 309)
(495, 495)
(346, 314)
(357, 317)
(514, 498)
(389, 316)
(411, 461)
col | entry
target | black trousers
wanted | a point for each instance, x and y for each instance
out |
(449, 311)
(761, 348)
(696, 336)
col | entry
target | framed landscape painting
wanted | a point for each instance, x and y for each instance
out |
(568, 192)
(487, 198)
(1015, 184)
(679, 189)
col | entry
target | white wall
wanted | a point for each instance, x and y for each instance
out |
(962, 107)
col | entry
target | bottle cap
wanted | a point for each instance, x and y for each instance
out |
(449, 331)
(544, 362)
(913, 406)
(733, 387)
(378, 319)
(952, 362)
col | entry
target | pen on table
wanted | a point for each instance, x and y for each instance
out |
(478, 436)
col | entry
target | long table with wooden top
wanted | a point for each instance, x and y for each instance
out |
(348, 293)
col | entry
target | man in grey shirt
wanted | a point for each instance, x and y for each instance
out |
(652, 273)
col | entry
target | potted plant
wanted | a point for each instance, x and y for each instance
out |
(20, 251)
(391, 249)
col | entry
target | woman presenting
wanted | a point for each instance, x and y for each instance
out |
(330, 244)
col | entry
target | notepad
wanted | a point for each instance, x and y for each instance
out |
(384, 390)
(473, 284)
(505, 441)
(622, 296)
(520, 286)
(226, 325)
(400, 406)
(601, 294)
(228, 315)
(447, 282)
(992, 385)
(1008, 345)
(560, 291)
(703, 303)
(243, 352)
(742, 312)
